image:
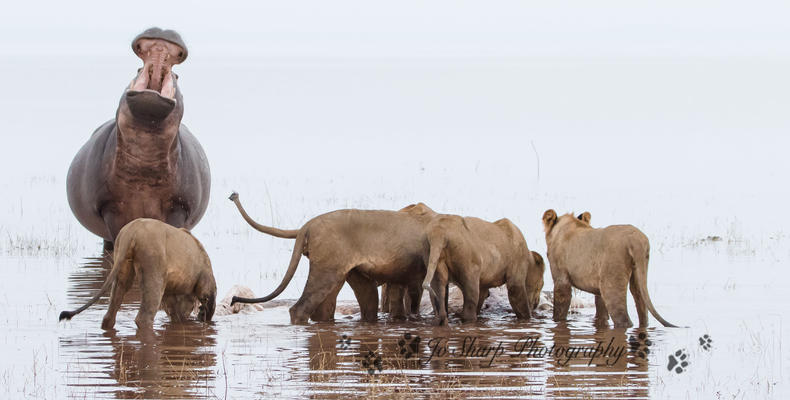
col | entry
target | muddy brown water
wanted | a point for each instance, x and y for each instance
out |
(261, 355)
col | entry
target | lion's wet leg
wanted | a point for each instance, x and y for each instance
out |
(325, 312)
(206, 293)
(517, 294)
(614, 294)
(152, 287)
(484, 293)
(366, 294)
(123, 281)
(439, 285)
(447, 297)
(397, 308)
(601, 313)
(562, 299)
(321, 282)
(413, 297)
(641, 306)
(470, 287)
(385, 298)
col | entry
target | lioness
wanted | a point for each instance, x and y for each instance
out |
(173, 268)
(476, 255)
(599, 261)
(363, 247)
(534, 284)
(406, 299)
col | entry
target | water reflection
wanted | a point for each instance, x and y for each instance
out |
(178, 361)
(251, 357)
(595, 363)
(487, 358)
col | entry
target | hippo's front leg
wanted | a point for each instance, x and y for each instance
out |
(113, 222)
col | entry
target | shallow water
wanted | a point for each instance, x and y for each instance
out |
(517, 136)
(262, 355)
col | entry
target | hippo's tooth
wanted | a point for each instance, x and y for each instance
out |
(168, 89)
(141, 82)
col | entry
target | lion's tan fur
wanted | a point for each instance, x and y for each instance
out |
(173, 269)
(599, 261)
(361, 247)
(477, 255)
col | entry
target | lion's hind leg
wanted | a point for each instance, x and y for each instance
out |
(641, 306)
(601, 313)
(366, 293)
(321, 282)
(614, 293)
(123, 281)
(152, 289)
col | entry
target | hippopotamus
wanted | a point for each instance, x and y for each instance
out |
(144, 163)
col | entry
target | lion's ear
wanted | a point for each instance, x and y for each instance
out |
(408, 208)
(538, 258)
(549, 219)
(414, 209)
(585, 217)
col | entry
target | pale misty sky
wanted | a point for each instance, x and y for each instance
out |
(410, 28)
(670, 97)
(671, 116)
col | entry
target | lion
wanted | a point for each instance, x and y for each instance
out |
(534, 284)
(173, 268)
(362, 247)
(406, 298)
(602, 262)
(476, 255)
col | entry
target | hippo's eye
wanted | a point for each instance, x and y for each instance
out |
(180, 54)
(139, 49)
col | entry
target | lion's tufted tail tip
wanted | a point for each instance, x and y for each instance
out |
(233, 196)
(65, 315)
(234, 300)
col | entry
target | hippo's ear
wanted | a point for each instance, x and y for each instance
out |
(585, 217)
(549, 219)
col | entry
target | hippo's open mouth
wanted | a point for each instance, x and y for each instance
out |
(152, 93)
(158, 56)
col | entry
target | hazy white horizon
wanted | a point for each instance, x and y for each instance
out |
(372, 105)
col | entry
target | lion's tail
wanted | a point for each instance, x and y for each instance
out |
(640, 277)
(301, 239)
(280, 233)
(122, 254)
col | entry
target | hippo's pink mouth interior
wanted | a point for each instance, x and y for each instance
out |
(158, 57)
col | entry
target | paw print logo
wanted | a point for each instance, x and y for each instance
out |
(344, 342)
(640, 345)
(372, 363)
(408, 345)
(706, 342)
(678, 361)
